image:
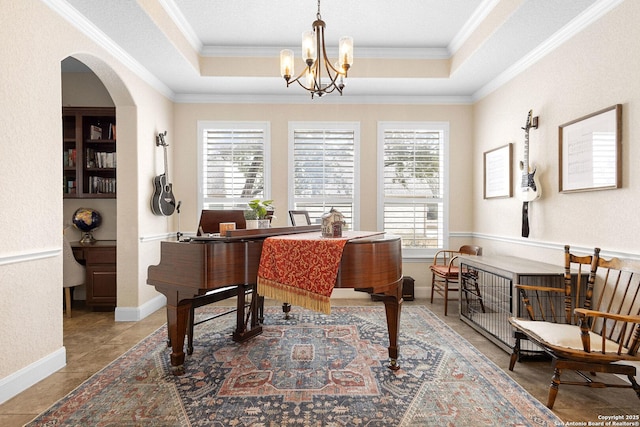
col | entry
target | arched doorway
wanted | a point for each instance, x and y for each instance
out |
(88, 82)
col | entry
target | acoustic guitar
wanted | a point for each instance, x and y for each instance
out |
(530, 185)
(163, 202)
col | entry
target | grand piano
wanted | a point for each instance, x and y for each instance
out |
(189, 269)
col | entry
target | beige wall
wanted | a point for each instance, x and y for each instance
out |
(30, 159)
(279, 116)
(461, 164)
(595, 69)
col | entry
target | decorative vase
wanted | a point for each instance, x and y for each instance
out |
(253, 224)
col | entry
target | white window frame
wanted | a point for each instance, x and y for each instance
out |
(350, 126)
(205, 125)
(383, 126)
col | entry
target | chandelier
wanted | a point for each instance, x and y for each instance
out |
(315, 57)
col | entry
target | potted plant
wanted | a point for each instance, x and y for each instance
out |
(257, 215)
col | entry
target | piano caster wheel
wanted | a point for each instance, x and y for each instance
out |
(286, 309)
(393, 365)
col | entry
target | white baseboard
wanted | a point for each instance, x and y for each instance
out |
(133, 314)
(346, 293)
(24, 378)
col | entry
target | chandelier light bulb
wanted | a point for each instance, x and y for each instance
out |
(286, 64)
(309, 47)
(345, 52)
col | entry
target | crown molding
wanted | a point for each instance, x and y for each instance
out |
(71, 15)
(582, 21)
(362, 52)
(87, 28)
(479, 15)
(306, 99)
(181, 22)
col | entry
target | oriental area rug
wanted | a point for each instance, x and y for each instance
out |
(311, 370)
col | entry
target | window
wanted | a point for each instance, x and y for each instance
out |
(233, 163)
(413, 158)
(323, 172)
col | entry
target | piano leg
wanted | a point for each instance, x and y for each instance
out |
(177, 316)
(393, 305)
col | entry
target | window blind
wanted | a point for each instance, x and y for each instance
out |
(413, 184)
(324, 170)
(233, 165)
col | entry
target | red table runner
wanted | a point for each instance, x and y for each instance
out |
(301, 269)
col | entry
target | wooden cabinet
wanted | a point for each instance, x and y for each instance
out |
(99, 259)
(89, 152)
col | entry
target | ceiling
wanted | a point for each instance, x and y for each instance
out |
(404, 50)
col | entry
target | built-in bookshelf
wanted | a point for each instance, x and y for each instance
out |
(89, 152)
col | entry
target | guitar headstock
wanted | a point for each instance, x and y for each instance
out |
(160, 139)
(532, 122)
(528, 125)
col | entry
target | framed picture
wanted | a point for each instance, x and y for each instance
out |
(498, 172)
(590, 151)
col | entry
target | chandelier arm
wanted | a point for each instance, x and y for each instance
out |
(327, 62)
(303, 86)
(297, 79)
(322, 50)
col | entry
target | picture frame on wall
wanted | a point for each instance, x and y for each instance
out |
(590, 155)
(498, 172)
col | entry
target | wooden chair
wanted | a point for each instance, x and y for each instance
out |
(598, 329)
(445, 271)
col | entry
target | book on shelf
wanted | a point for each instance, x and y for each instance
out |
(99, 184)
(95, 132)
(100, 159)
(69, 186)
(112, 131)
(69, 158)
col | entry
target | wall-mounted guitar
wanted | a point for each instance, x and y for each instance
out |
(162, 202)
(530, 185)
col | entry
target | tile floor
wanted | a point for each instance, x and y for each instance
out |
(93, 339)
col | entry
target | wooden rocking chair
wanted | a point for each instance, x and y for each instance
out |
(595, 334)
